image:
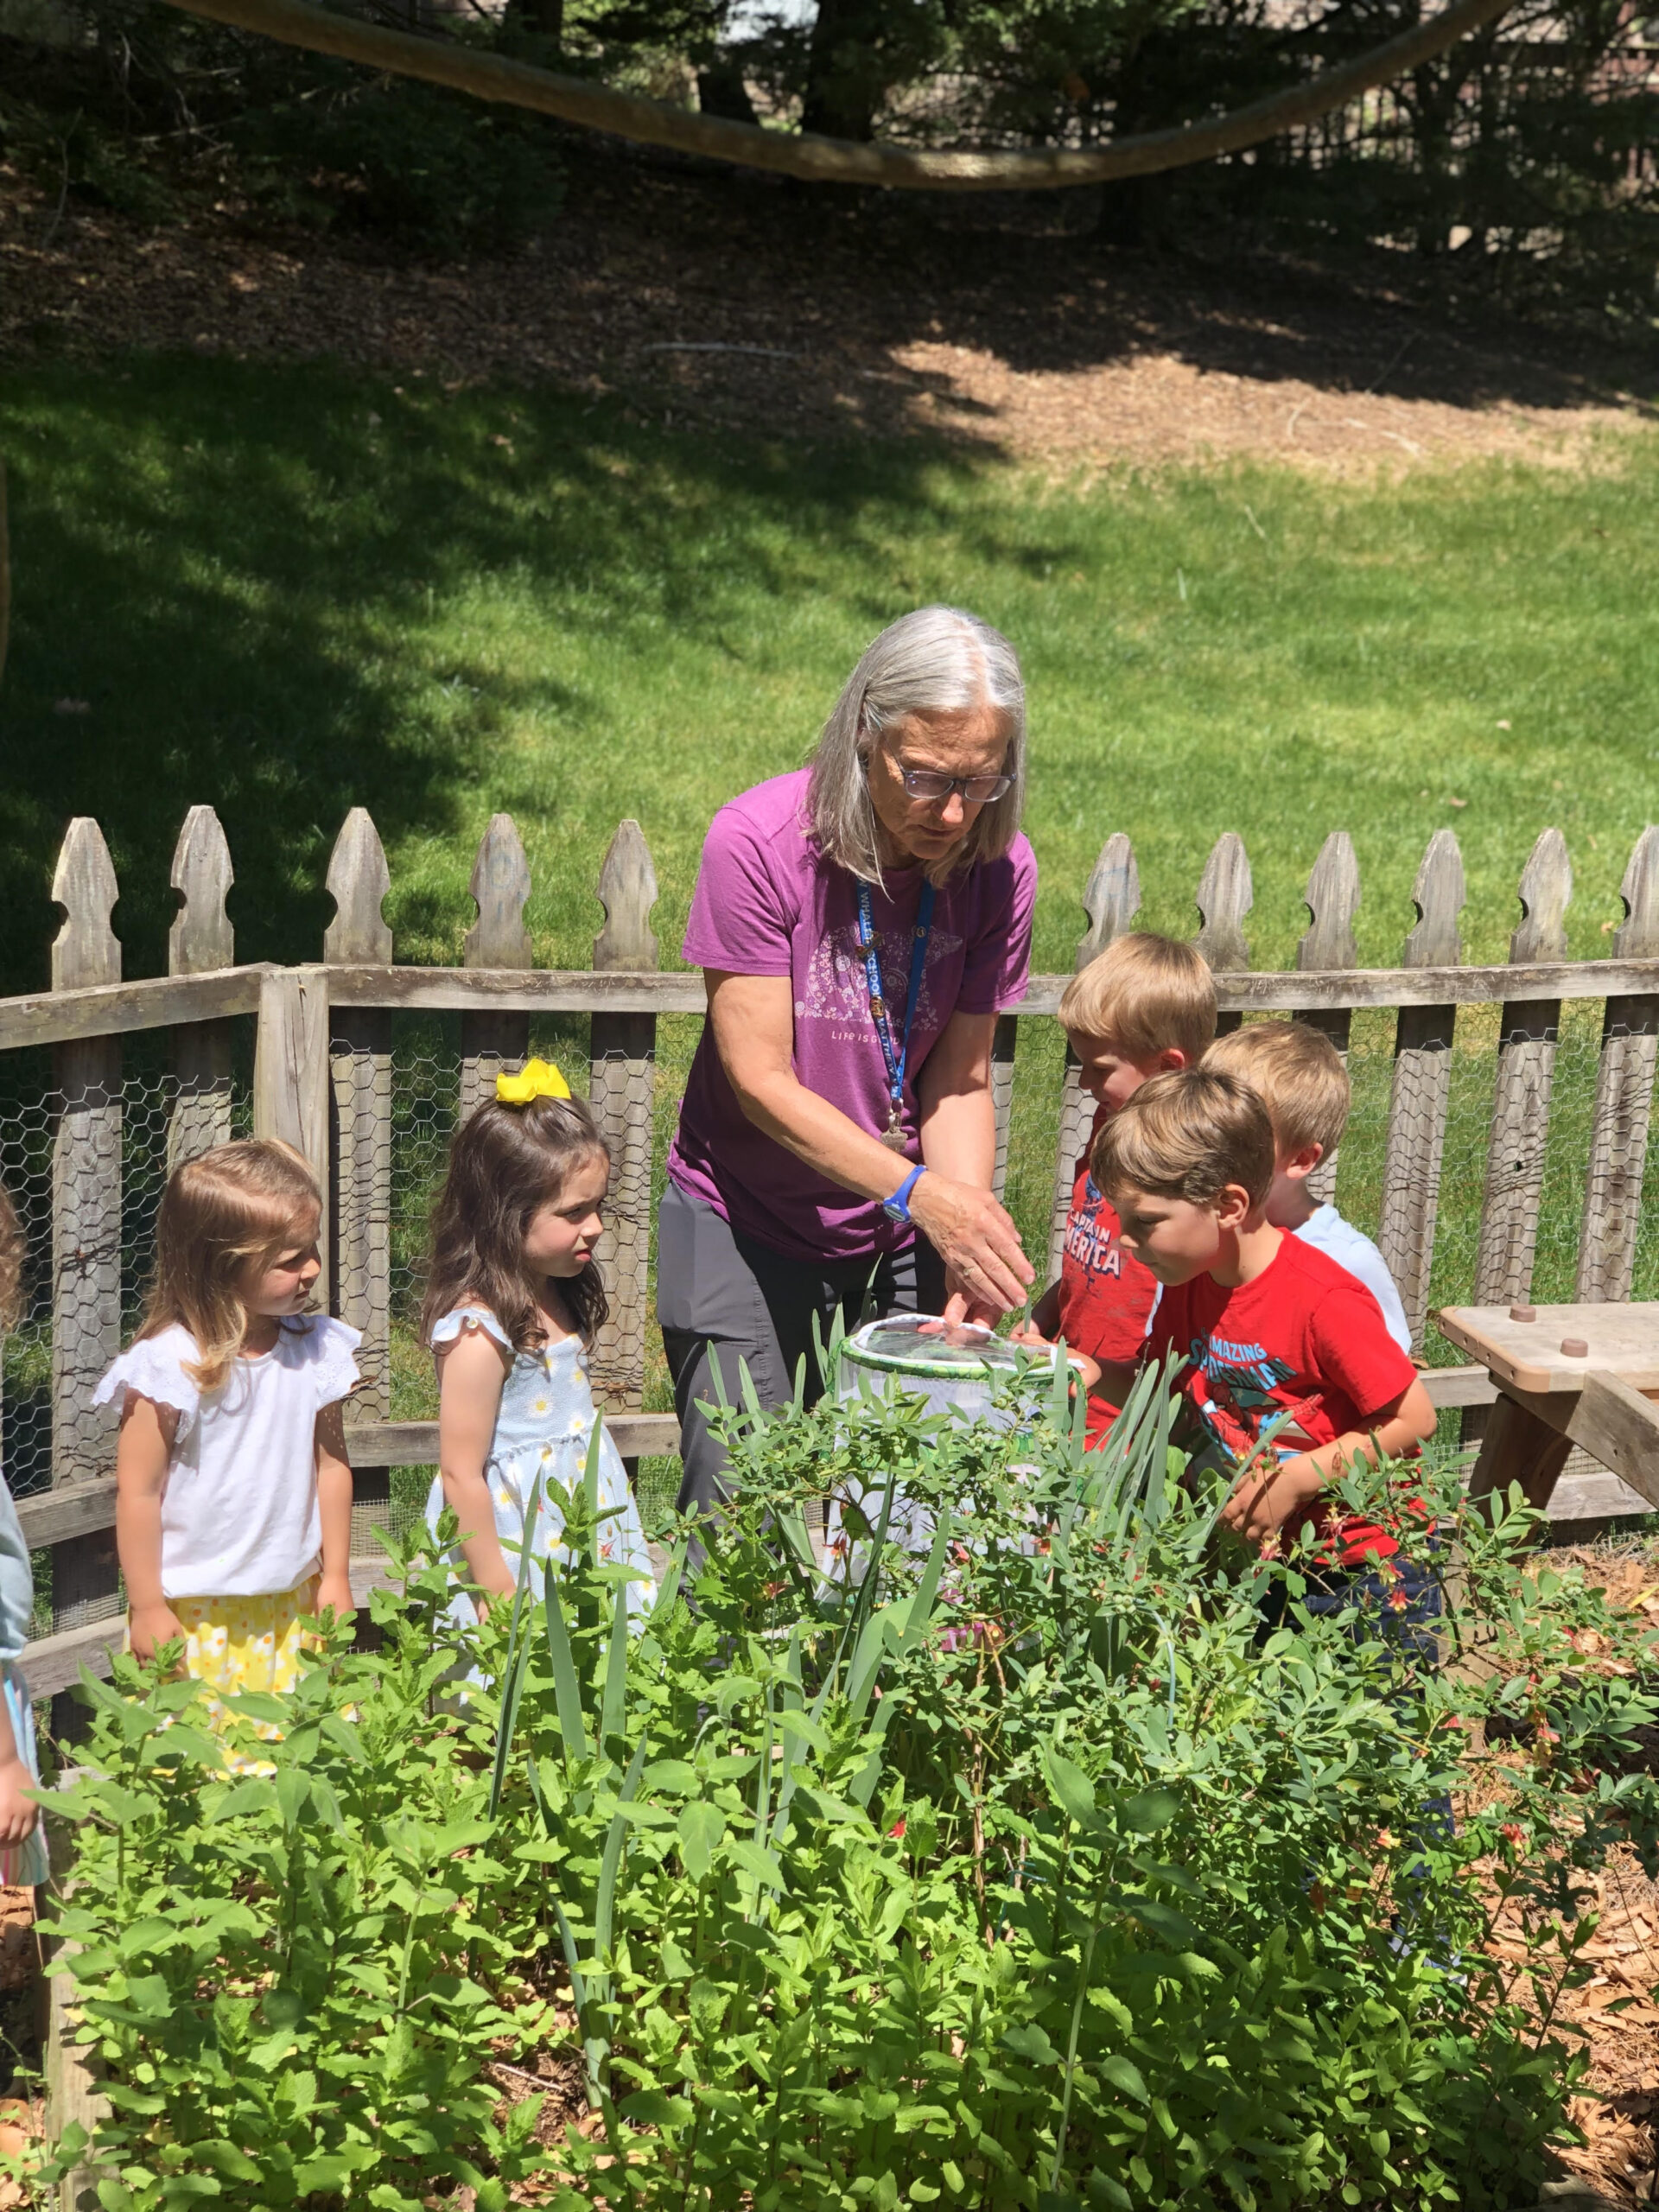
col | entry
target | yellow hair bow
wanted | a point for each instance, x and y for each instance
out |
(540, 1079)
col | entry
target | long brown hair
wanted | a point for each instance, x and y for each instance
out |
(505, 1162)
(237, 1206)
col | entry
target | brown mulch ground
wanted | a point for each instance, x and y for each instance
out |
(709, 298)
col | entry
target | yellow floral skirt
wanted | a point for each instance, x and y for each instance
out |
(234, 1644)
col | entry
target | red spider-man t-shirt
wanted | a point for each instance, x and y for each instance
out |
(1106, 1296)
(1304, 1338)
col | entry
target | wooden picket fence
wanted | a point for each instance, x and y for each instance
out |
(323, 1076)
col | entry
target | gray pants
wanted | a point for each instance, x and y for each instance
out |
(718, 1291)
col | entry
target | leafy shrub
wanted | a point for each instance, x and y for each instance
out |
(1024, 1869)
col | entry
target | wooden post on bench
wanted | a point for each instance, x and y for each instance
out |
(202, 938)
(1111, 899)
(500, 888)
(622, 1092)
(1422, 1087)
(1226, 893)
(1332, 900)
(1618, 1142)
(86, 1234)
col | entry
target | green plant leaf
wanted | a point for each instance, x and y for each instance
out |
(701, 1829)
(1073, 1791)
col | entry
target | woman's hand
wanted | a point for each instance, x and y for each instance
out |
(151, 1626)
(979, 1245)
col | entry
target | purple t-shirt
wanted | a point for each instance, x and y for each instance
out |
(767, 903)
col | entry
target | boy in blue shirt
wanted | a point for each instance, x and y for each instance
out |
(1297, 1073)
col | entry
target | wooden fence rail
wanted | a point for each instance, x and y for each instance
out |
(324, 1076)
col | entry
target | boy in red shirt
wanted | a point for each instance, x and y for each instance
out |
(1145, 1007)
(1268, 1325)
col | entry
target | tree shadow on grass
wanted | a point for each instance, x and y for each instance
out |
(284, 593)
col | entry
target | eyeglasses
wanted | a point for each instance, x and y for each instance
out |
(978, 791)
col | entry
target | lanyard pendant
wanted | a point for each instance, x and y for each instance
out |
(893, 1135)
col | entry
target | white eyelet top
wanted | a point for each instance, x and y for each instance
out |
(239, 1512)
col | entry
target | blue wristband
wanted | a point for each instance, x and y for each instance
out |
(897, 1208)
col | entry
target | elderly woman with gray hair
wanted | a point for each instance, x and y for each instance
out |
(861, 924)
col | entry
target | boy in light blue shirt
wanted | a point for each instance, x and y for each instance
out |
(1298, 1074)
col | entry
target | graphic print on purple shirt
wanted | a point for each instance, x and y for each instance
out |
(767, 903)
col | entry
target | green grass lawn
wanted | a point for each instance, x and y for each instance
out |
(286, 591)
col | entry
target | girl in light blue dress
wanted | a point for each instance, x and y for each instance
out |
(513, 1302)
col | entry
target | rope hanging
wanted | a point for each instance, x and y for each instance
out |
(839, 161)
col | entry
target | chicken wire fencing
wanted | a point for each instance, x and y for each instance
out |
(398, 1100)
(87, 1141)
(89, 1134)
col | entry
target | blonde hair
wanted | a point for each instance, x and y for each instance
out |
(1187, 1134)
(1145, 995)
(937, 660)
(1297, 1072)
(11, 1263)
(229, 1210)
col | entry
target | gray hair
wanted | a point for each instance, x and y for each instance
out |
(938, 660)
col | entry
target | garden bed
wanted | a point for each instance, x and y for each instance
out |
(1028, 1874)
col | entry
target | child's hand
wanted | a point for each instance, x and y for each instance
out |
(492, 1586)
(1027, 1333)
(150, 1627)
(1269, 1496)
(335, 1596)
(18, 1812)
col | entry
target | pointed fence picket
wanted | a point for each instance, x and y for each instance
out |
(324, 1079)
(86, 1218)
(201, 939)
(1422, 1087)
(1528, 1033)
(1111, 899)
(622, 1092)
(492, 1040)
(1630, 1049)
(1332, 900)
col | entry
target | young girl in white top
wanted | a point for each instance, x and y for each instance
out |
(22, 1838)
(234, 1498)
(512, 1304)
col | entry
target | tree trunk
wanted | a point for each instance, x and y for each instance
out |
(843, 82)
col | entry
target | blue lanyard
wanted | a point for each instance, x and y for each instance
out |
(923, 929)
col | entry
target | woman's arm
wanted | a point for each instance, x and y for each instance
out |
(958, 1134)
(470, 1373)
(335, 1503)
(141, 1457)
(1269, 1497)
(754, 1023)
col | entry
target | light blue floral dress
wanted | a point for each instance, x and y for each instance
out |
(544, 1426)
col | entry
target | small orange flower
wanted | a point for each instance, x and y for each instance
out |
(897, 1831)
